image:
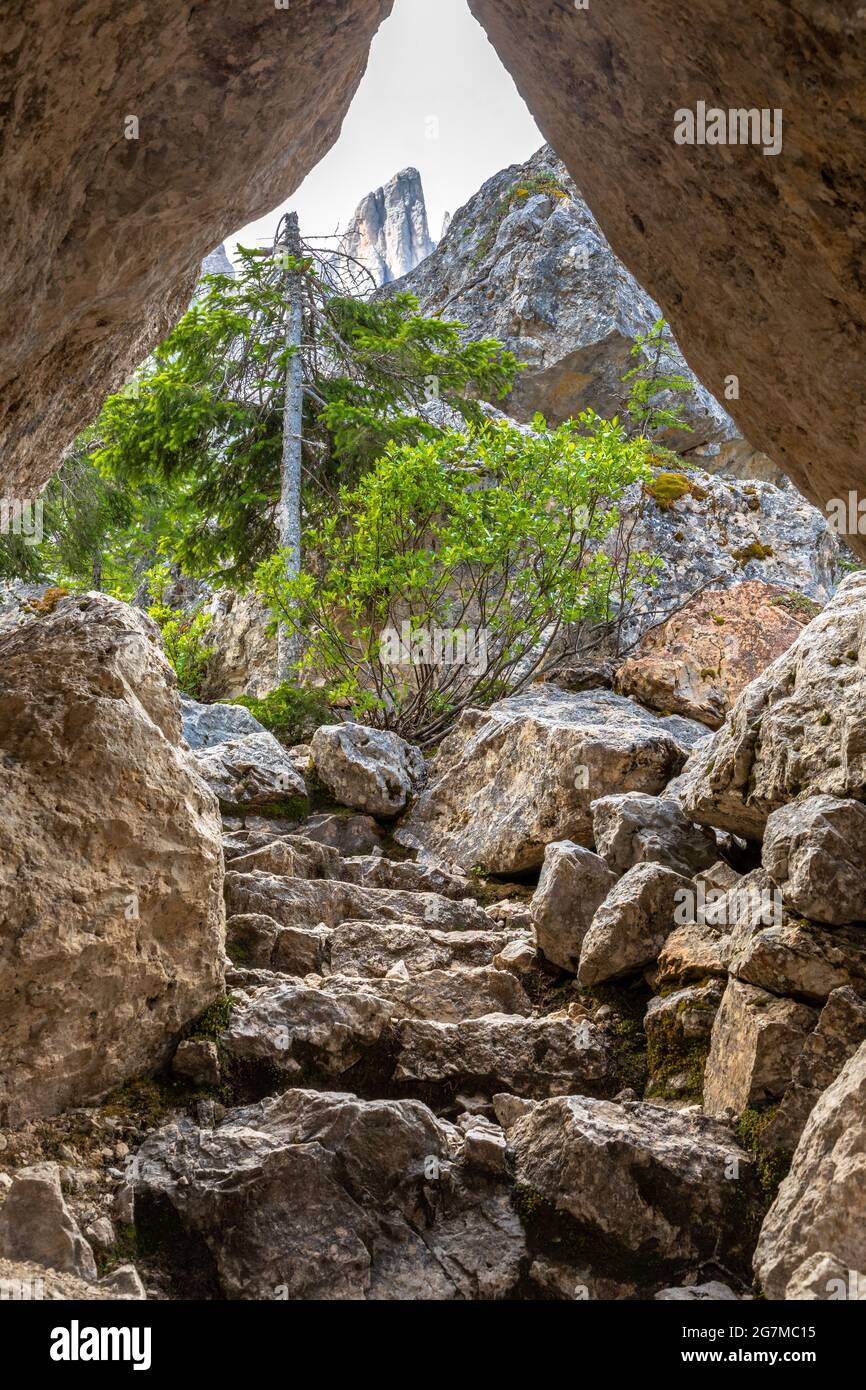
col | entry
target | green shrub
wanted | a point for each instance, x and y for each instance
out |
(291, 713)
(183, 634)
(447, 574)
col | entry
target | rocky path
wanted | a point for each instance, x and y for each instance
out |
(432, 1111)
(550, 1018)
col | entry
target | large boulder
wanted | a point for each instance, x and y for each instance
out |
(324, 1196)
(753, 317)
(796, 958)
(252, 773)
(244, 660)
(371, 770)
(821, 1205)
(797, 730)
(111, 916)
(840, 1030)
(755, 1045)
(651, 1192)
(632, 924)
(117, 262)
(717, 533)
(634, 828)
(514, 778)
(573, 883)
(814, 850)
(554, 1055)
(36, 1224)
(698, 661)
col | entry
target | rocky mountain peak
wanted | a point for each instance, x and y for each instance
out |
(526, 262)
(388, 231)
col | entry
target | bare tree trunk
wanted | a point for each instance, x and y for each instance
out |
(289, 515)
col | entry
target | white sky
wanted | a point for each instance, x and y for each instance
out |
(435, 95)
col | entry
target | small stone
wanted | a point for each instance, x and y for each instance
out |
(485, 1147)
(197, 1060)
(101, 1233)
(518, 956)
(37, 1225)
(400, 971)
(125, 1283)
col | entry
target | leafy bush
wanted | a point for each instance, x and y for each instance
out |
(447, 575)
(290, 713)
(183, 634)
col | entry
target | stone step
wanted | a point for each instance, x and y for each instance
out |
(306, 903)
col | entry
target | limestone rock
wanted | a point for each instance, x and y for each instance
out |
(692, 952)
(111, 918)
(814, 850)
(290, 1023)
(36, 1225)
(699, 660)
(634, 828)
(519, 956)
(349, 834)
(124, 1283)
(529, 1056)
(256, 940)
(720, 534)
(206, 725)
(25, 1281)
(640, 1182)
(703, 940)
(388, 232)
(250, 773)
(756, 1043)
(823, 1277)
(678, 1028)
(324, 1196)
(631, 925)
(796, 730)
(713, 1292)
(370, 770)
(795, 252)
(526, 262)
(461, 992)
(514, 778)
(118, 259)
(297, 902)
(840, 1030)
(375, 871)
(799, 959)
(244, 660)
(197, 1061)
(372, 949)
(821, 1204)
(573, 883)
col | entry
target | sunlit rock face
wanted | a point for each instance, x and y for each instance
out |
(204, 117)
(755, 259)
(388, 232)
(526, 262)
(138, 135)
